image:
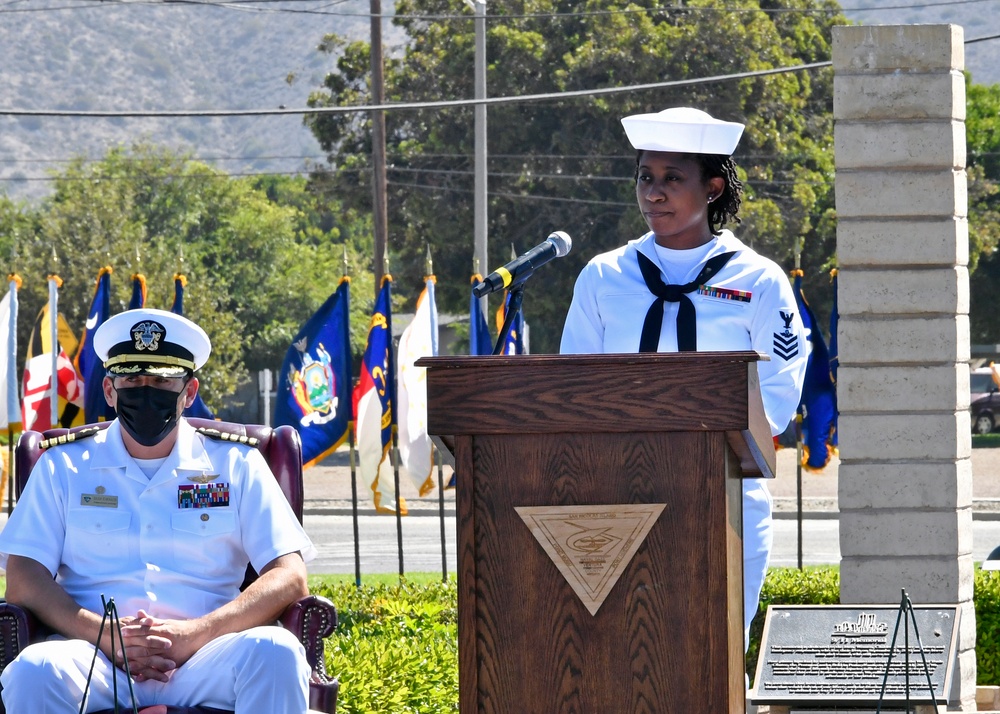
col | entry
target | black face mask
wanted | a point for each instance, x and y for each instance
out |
(148, 414)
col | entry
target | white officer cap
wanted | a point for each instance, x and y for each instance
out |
(154, 342)
(684, 130)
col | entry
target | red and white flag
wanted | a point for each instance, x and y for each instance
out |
(37, 383)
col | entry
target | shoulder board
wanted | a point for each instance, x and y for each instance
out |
(68, 438)
(226, 436)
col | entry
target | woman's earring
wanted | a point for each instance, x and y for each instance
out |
(712, 198)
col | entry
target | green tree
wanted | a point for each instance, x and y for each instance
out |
(565, 163)
(260, 255)
(982, 128)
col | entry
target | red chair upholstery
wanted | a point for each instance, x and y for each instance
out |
(312, 619)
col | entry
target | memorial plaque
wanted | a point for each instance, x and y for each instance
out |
(838, 654)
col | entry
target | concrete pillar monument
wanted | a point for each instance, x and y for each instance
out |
(905, 479)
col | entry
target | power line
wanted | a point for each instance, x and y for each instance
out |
(548, 96)
(249, 5)
(365, 170)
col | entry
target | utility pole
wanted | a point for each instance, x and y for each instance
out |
(380, 214)
(480, 253)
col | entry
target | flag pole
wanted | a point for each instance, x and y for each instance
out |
(354, 470)
(54, 283)
(798, 439)
(9, 483)
(354, 504)
(444, 544)
(429, 270)
(13, 402)
(395, 432)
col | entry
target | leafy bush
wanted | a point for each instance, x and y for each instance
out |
(987, 603)
(813, 585)
(396, 647)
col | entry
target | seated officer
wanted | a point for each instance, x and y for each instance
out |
(164, 520)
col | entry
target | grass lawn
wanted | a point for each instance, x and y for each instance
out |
(986, 441)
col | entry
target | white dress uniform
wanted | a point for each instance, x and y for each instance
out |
(176, 545)
(747, 305)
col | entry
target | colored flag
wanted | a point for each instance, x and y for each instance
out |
(138, 298)
(198, 408)
(419, 339)
(88, 366)
(835, 356)
(374, 403)
(314, 388)
(37, 381)
(10, 408)
(514, 342)
(819, 396)
(480, 342)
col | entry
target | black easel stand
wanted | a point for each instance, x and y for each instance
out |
(115, 627)
(516, 294)
(906, 608)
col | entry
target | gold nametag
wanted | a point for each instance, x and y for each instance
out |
(94, 499)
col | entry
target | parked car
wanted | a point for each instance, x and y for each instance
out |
(985, 405)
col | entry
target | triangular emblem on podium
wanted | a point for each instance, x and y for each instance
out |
(591, 545)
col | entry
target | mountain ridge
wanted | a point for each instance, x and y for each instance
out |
(137, 56)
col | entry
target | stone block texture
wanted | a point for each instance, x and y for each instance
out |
(905, 483)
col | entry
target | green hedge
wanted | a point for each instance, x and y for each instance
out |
(813, 585)
(987, 602)
(821, 586)
(396, 648)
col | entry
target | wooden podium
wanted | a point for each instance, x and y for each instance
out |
(600, 528)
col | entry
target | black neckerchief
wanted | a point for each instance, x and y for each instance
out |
(687, 333)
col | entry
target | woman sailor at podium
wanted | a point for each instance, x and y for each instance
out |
(708, 290)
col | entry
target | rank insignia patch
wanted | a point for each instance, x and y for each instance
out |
(786, 343)
(208, 495)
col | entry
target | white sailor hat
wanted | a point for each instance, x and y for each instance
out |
(153, 342)
(682, 129)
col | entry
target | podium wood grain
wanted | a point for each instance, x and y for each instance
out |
(601, 430)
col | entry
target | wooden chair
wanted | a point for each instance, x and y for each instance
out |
(311, 619)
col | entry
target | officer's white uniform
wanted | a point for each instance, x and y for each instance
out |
(101, 527)
(170, 536)
(748, 305)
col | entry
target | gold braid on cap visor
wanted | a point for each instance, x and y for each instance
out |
(150, 359)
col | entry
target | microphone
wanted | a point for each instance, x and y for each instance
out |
(521, 268)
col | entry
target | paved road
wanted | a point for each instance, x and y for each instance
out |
(379, 553)
(422, 543)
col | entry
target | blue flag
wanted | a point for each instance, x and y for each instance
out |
(819, 395)
(314, 387)
(180, 282)
(95, 406)
(480, 342)
(138, 298)
(834, 353)
(198, 408)
(375, 406)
